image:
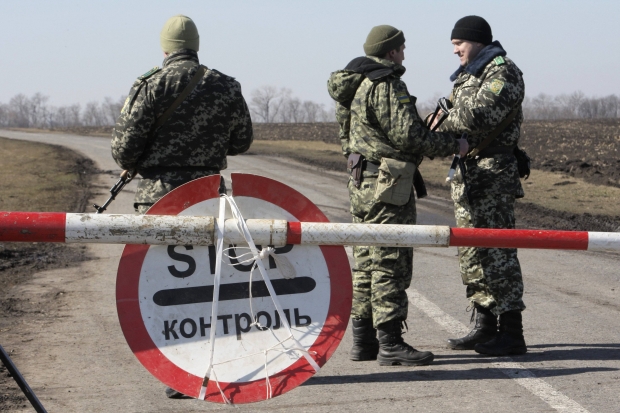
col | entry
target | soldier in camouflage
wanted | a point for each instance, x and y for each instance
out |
(487, 95)
(379, 121)
(212, 122)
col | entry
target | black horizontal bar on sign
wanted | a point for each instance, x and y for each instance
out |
(233, 291)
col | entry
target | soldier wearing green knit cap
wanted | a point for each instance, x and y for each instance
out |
(192, 142)
(384, 140)
(180, 121)
(178, 33)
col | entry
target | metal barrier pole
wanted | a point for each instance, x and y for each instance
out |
(6, 360)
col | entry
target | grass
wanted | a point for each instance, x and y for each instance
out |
(551, 190)
(37, 177)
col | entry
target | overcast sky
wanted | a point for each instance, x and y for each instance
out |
(81, 51)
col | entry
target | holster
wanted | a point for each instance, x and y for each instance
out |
(355, 167)
(419, 185)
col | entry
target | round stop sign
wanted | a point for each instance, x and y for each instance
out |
(165, 298)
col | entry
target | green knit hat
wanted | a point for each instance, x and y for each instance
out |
(383, 39)
(179, 32)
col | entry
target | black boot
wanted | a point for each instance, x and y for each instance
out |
(509, 340)
(173, 394)
(484, 330)
(365, 343)
(393, 351)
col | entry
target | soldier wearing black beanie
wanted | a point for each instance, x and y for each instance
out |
(474, 29)
(486, 105)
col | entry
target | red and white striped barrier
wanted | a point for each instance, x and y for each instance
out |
(200, 230)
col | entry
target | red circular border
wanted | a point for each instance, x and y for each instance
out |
(139, 340)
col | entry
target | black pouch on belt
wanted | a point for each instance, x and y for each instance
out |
(419, 185)
(354, 165)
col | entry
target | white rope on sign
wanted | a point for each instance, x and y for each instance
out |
(219, 235)
(286, 269)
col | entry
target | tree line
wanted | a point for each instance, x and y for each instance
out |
(269, 104)
(34, 112)
(565, 106)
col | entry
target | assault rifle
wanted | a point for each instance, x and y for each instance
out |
(125, 178)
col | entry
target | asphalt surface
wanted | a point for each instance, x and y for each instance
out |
(78, 361)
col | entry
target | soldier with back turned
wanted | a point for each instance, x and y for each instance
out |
(180, 121)
(210, 123)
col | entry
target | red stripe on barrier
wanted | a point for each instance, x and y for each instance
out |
(32, 226)
(293, 233)
(518, 238)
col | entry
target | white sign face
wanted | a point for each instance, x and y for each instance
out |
(165, 298)
(176, 291)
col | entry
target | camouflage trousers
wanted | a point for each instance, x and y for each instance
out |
(152, 188)
(381, 274)
(492, 275)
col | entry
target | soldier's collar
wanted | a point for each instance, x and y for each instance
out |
(181, 54)
(398, 70)
(476, 67)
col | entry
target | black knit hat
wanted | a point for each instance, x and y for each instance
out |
(472, 28)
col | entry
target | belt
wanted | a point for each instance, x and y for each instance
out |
(158, 170)
(371, 166)
(496, 150)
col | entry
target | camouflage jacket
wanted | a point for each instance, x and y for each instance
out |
(378, 117)
(485, 93)
(211, 123)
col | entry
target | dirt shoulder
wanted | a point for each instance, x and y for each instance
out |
(36, 177)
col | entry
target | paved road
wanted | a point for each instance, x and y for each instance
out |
(572, 323)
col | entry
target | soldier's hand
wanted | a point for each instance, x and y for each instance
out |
(463, 146)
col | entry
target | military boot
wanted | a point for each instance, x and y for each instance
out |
(173, 394)
(393, 351)
(484, 330)
(365, 343)
(510, 338)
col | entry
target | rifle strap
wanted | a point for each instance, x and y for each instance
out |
(500, 128)
(188, 89)
(166, 115)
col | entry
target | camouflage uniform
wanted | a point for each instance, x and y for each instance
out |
(378, 119)
(210, 124)
(485, 93)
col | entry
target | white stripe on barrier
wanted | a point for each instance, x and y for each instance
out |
(315, 233)
(139, 229)
(600, 241)
(166, 230)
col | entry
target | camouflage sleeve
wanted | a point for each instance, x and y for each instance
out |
(343, 116)
(241, 132)
(397, 115)
(131, 132)
(479, 110)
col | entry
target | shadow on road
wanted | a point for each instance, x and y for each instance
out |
(538, 353)
(399, 375)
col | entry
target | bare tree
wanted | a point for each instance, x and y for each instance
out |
(20, 111)
(312, 111)
(266, 103)
(112, 109)
(94, 115)
(4, 114)
(37, 110)
(74, 117)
